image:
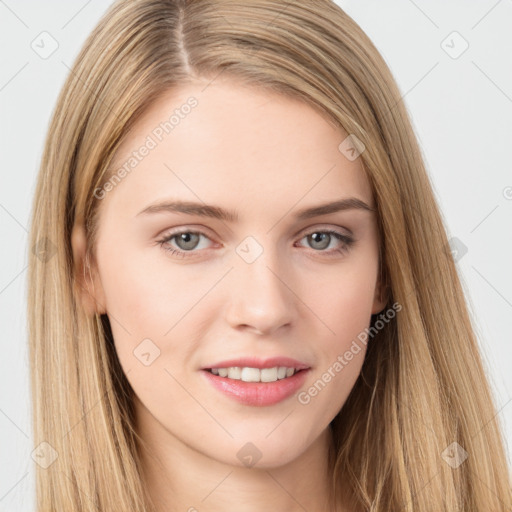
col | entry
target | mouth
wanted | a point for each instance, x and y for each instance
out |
(258, 387)
(251, 374)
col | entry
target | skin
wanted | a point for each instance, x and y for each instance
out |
(266, 156)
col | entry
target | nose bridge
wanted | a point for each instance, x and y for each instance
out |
(260, 298)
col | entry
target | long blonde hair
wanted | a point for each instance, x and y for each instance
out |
(422, 386)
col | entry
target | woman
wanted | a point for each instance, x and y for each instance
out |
(252, 301)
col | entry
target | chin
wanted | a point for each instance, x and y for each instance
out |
(256, 450)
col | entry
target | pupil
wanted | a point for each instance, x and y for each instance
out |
(188, 240)
(317, 237)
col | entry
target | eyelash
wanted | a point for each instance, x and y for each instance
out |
(346, 240)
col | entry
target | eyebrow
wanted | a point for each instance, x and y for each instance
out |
(205, 210)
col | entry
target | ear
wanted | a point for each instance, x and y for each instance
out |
(380, 298)
(87, 284)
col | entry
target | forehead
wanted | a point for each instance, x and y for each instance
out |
(223, 141)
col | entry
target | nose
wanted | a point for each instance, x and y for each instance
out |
(261, 298)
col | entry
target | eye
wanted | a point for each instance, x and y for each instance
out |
(321, 239)
(186, 241)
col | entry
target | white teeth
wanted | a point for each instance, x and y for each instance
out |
(269, 374)
(234, 372)
(250, 374)
(255, 374)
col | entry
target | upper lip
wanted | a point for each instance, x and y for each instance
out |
(254, 362)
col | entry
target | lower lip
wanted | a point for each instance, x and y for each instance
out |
(258, 393)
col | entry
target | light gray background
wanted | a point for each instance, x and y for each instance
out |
(461, 109)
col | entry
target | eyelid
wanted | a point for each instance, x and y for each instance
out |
(325, 227)
(200, 230)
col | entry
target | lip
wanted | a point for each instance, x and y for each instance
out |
(257, 394)
(254, 362)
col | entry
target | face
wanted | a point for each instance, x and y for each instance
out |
(188, 289)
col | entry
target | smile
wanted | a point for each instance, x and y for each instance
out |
(248, 374)
(256, 392)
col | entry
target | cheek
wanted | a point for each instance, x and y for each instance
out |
(340, 356)
(344, 306)
(149, 297)
(156, 310)
(345, 299)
